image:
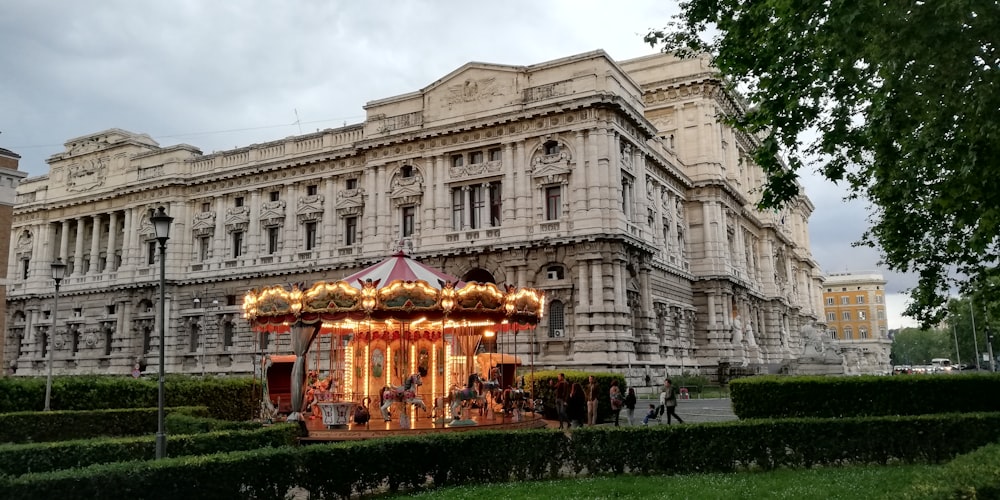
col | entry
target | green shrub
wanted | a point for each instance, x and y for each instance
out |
(229, 398)
(816, 396)
(545, 383)
(45, 426)
(973, 475)
(21, 459)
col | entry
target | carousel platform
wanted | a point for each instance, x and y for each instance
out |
(378, 428)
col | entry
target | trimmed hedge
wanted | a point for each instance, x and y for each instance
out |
(973, 475)
(46, 426)
(21, 459)
(228, 398)
(816, 396)
(415, 462)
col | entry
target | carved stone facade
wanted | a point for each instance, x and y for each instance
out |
(613, 186)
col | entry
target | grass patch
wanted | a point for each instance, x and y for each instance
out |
(861, 483)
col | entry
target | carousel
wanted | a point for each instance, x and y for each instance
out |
(402, 347)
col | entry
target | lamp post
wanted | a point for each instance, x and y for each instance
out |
(58, 272)
(161, 225)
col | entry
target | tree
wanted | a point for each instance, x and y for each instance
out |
(913, 346)
(901, 98)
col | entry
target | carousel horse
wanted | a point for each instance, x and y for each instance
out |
(469, 393)
(406, 393)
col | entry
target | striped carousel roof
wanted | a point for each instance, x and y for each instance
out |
(400, 267)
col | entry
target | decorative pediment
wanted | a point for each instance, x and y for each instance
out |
(203, 223)
(407, 187)
(350, 198)
(406, 200)
(310, 208)
(24, 242)
(349, 211)
(272, 213)
(87, 174)
(475, 170)
(237, 219)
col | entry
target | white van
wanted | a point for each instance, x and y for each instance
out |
(941, 365)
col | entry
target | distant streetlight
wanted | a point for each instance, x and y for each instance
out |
(58, 273)
(161, 225)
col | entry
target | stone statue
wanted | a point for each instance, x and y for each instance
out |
(737, 330)
(751, 341)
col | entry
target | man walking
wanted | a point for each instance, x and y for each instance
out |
(562, 396)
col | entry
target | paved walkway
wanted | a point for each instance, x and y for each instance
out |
(691, 410)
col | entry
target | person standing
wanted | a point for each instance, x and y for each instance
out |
(630, 400)
(562, 399)
(593, 392)
(577, 404)
(617, 400)
(670, 399)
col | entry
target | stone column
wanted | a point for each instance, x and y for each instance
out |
(597, 285)
(64, 241)
(329, 239)
(510, 178)
(620, 285)
(369, 220)
(254, 228)
(111, 250)
(579, 178)
(583, 285)
(128, 239)
(219, 238)
(525, 208)
(292, 236)
(78, 255)
(95, 240)
(442, 205)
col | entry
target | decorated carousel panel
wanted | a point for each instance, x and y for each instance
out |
(403, 338)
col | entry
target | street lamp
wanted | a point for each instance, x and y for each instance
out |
(161, 225)
(58, 272)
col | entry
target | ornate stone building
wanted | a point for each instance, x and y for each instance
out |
(613, 186)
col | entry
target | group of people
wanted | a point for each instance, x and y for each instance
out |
(576, 405)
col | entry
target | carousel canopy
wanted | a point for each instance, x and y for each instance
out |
(397, 288)
(400, 267)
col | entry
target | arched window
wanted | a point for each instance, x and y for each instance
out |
(848, 332)
(557, 322)
(406, 171)
(833, 333)
(551, 148)
(862, 332)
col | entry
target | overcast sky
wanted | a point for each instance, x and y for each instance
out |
(219, 75)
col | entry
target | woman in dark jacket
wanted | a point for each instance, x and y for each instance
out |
(630, 405)
(577, 405)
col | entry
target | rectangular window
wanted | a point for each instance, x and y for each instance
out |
(881, 314)
(476, 204)
(831, 316)
(495, 154)
(310, 235)
(204, 243)
(274, 195)
(878, 299)
(845, 300)
(352, 184)
(237, 243)
(238, 201)
(312, 189)
(272, 240)
(846, 316)
(457, 209)
(496, 204)
(206, 207)
(151, 252)
(457, 160)
(409, 216)
(829, 301)
(552, 202)
(475, 157)
(862, 315)
(861, 299)
(25, 265)
(350, 230)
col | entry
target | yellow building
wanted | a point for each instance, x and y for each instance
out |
(855, 306)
